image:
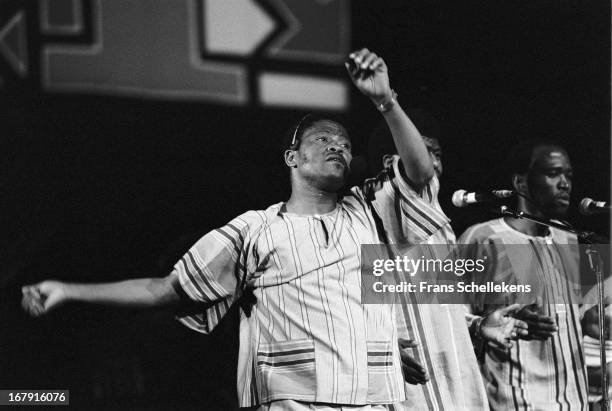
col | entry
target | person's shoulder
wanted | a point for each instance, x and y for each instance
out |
(481, 231)
(391, 178)
(255, 219)
(355, 201)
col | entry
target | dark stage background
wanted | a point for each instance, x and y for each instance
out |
(96, 187)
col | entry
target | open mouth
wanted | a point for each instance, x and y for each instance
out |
(337, 159)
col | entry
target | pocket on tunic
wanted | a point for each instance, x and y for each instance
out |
(287, 369)
(382, 375)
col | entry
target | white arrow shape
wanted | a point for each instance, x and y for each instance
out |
(235, 26)
(13, 43)
(317, 30)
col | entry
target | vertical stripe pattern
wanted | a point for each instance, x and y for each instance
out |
(308, 337)
(445, 347)
(540, 375)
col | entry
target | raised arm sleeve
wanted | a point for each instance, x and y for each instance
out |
(410, 216)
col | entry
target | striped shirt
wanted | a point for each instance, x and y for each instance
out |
(308, 338)
(592, 345)
(534, 375)
(445, 348)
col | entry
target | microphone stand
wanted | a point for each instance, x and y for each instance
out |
(596, 266)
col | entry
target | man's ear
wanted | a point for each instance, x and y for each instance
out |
(387, 161)
(519, 182)
(290, 158)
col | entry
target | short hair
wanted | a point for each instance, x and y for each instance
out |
(521, 156)
(293, 136)
(381, 141)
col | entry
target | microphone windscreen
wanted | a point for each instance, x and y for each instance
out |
(458, 199)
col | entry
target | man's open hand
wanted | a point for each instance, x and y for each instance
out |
(499, 327)
(541, 327)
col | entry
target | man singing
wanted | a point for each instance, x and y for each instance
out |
(307, 342)
(546, 370)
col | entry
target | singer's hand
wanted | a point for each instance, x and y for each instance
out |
(414, 373)
(590, 321)
(39, 299)
(594, 378)
(369, 74)
(499, 327)
(541, 327)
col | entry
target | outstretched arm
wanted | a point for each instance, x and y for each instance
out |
(205, 276)
(370, 75)
(39, 299)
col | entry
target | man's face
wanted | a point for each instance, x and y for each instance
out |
(550, 181)
(435, 152)
(324, 155)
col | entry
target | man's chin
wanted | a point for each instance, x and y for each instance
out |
(336, 182)
(559, 212)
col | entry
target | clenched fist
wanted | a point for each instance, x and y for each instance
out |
(39, 299)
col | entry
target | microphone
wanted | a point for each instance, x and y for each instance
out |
(359, 171)
(588, 206)
(462, 198)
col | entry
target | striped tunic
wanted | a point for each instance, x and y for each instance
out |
(445, 348)
(534, 375)
(308, 337)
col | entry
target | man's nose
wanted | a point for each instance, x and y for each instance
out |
(564, 182)
(335, 148)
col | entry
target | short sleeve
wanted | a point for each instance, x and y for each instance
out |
(214, 271)
(409, 217)
(428, 193)
(478, 243)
